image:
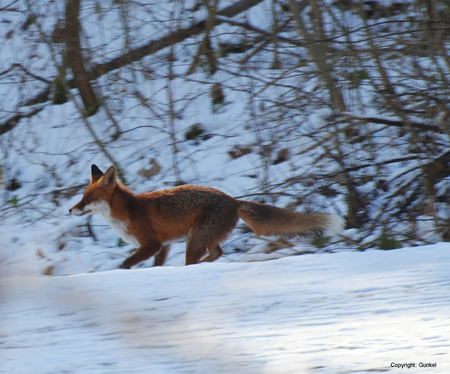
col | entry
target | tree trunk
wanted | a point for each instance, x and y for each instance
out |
(76, 60)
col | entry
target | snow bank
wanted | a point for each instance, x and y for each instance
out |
(349, 312)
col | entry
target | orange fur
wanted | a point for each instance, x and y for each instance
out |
(205, 216)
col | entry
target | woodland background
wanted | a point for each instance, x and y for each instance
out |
(314, 105)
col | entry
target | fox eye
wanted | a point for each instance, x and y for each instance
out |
(87, 199)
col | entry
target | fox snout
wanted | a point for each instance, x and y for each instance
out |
(78, 212)
(80, 209)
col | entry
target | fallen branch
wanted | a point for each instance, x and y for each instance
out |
(388, 122)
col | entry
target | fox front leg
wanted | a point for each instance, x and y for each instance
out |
(142, 254)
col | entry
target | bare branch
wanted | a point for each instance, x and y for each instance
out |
(171, 39)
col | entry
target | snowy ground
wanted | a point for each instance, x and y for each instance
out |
(326, 313)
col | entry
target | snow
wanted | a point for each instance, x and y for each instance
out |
(337, 313)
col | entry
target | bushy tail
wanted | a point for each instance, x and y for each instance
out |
(270, 220)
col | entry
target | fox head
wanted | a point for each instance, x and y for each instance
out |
(95, 197)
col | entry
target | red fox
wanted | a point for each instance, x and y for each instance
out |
(205, 216)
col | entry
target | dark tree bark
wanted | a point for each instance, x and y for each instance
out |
(76, 60)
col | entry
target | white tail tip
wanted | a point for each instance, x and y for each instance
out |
(335, 225)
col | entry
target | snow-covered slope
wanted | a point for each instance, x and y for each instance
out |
(339, 313)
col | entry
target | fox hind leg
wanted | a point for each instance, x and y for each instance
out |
(209, 230)
(213, 254)
(195, 248)
(203, 239)
(198, 243)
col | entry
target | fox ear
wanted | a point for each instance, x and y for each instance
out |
(109, 178)
(96, 173)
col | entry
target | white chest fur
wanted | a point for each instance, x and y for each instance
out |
(120, 227)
